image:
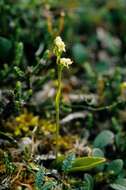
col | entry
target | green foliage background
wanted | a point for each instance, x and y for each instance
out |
(94, 32)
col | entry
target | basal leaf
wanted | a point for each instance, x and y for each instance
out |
(86, 163)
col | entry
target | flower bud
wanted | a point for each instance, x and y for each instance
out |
(59, 45)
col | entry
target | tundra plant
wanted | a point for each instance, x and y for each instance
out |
(59, 48)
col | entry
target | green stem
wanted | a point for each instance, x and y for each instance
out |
(57, 105)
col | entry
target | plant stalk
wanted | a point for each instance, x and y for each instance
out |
(57, 106)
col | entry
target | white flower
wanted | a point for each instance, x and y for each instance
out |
(65, 62)
(59, 44)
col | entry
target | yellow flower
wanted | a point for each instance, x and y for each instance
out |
(59, 45)
(24, 121)
(47, 127)
(65, 62)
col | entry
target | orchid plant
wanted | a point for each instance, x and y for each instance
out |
(59, 48)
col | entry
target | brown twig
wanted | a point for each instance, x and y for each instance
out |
(18, 173)
(25, 185)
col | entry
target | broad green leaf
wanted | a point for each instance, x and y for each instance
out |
(120, 184)
(116, 166)
(117, 186)
(121, 181)
(97, 152)
(103, 139)
(86, 163)
(80, 164)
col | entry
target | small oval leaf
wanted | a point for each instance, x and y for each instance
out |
(97, 152)
(116, 166)
(103, 139)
